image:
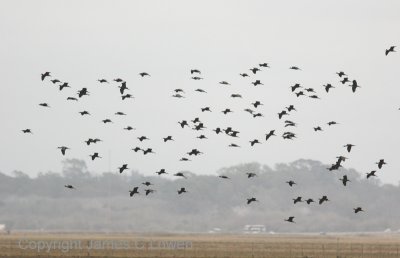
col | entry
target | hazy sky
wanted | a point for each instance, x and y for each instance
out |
(82, 41)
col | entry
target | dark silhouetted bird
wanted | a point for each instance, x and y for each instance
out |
(296, 86)
(348, 147)
(291, 108)
(201, 90)
(83, 92)
(264, 65)
(64, 85)
(300, 93)
(291, 183)
(129, 128)
(63, 149)
(206, 109)
(144, 74)
(298, 199)
(142, 138)
(84, 113)
(180, 174)
(257, 103)
(183, 123)
(102, 81)
(195, 71)
(332, 123)
(147, 183)
(224, 83)
(328, 86)
(44, 75)
(226, 111)
(118, 80)
(162, 171)
(168, 138)
(318, 128)
(69, 186)
(255, 70)
(149, 191)
(354, 86)
(257, 82)
(184, 159)
(309, 201)
(136, 149)
(196, 78)
(341, 74)
(27, 131)
(268, 135)
(254, 142)
(345, 79)
(72, 98)
(44, 105)
(290, 219)
(94, 156)
(244, 75)
(224, 177)
(387, 51)
(250, 174)
(148, 150)
(233, 145)
(127, 96)
(134, 191)
(323, 199)
(124, 167)
(252, 199)
(372, 173)
(381, 163)
(236, 96)
(357, 210)
(106, 121)
(55, 81)
(282, 113)
(294, 68)
(182, 190)
(344, 180)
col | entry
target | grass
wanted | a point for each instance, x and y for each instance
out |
(198, 245)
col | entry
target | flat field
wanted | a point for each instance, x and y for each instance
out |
(20, 245)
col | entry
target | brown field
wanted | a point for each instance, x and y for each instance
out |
(20, 245)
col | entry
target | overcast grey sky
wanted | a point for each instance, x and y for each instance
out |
(82, 41)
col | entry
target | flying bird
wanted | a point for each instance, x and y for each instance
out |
(63, 149)
(290, 219)
(381, 163)
(134, 191)
(387, 51)
(122, 168)
(44, 75)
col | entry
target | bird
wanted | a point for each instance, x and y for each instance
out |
(44, 105)
(201, 90)
(83, 92)
(142, 138)
(143, 74)
(244, 74)
(136, 149)
(309, 201)
(69, 186)
(318, 128)
(224, 83)
(122, 168)
(168, 138)
(291, 108)
(250, 174)
(206, 109)
(162, 171)
(194, 152)
(257, 103)
(95, 155)
(327, 87)
(268, 135)
(226, 111)
(148, 150)
(224, 177)
(282, 113)
(134, 191)
(341, 74)
(118, 80)
(149, 191)
(122, 88)
(184, 159)
(63, 149)
(254, 142)
(106, 121)
(291, 183)
(372, 173)
(129, 128)
(102, 81)
(55, 81)
(195, 71)
(300, 93)
(252, 199)
(344, 180)
(233, 145)
(357, 210)
(236, 96)
(178, 96)
(180, 174)
(298, 199)
(27, 131)
(391, 49)
(310, 90)
(290, 219)
(196, 78)
(44, 75)
(296, 86)
(64, 85)
(257, 82)
(147, 183)
(217, 130)
(72, 98)
(202, 136)
(258, 115)
(380, 163)
(345, 79)
(183, 123)
(84, 113)
(314, 97)
(264, 65)
(127, 96)
(254, 70)
(323, 199)
(182, 190)
(354, 86)
(348, 147)
(332, 123)
(294, 68)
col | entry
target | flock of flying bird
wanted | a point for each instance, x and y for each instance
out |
(197, 125)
